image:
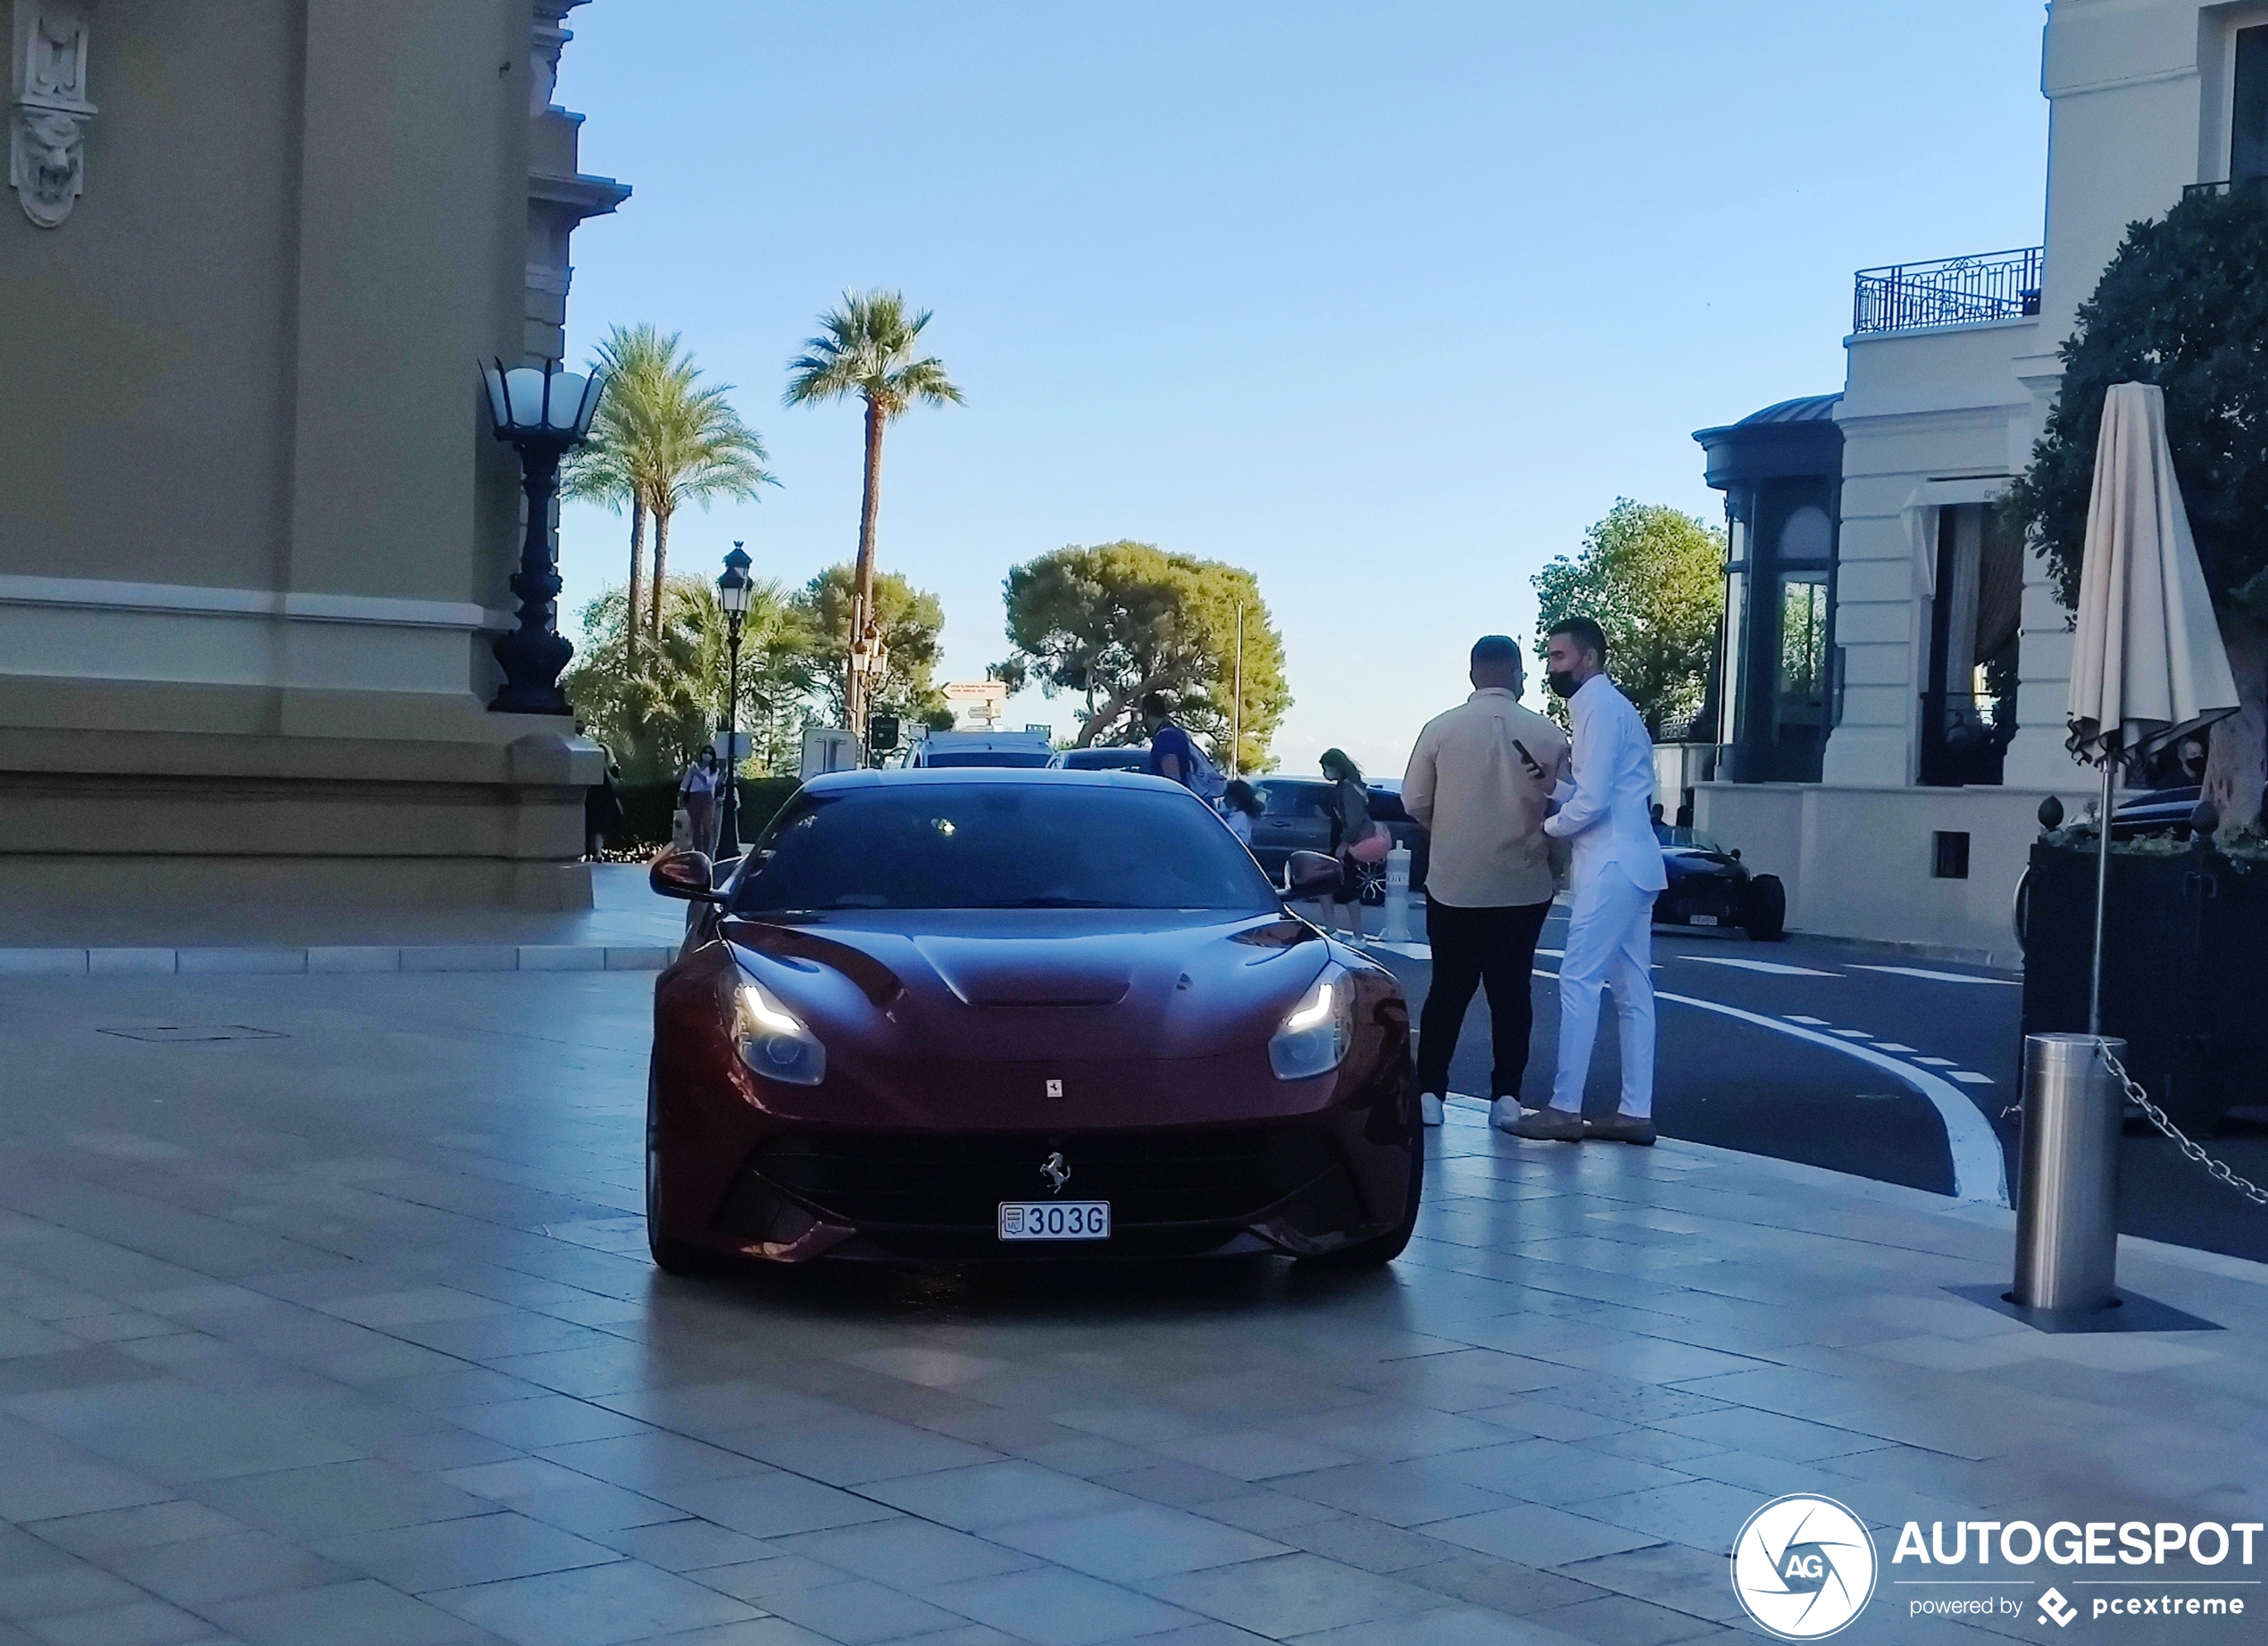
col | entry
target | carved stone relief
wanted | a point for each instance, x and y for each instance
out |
(47, 123)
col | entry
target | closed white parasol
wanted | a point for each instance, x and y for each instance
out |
(2147, 665)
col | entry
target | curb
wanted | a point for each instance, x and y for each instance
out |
(333, 960)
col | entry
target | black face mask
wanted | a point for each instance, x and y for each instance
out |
(1562, 682)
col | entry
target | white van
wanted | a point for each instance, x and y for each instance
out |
(982, 748)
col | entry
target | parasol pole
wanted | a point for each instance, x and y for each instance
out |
(2102, 899)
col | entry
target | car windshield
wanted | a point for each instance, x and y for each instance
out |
(987, 758)
(1002, 845)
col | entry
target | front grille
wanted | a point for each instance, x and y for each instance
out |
(945, 1182)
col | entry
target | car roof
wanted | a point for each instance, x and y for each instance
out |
(832, 781)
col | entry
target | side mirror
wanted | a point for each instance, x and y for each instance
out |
(1310, 874)
(687, 875)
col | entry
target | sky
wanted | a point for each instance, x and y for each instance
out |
(1387, 303)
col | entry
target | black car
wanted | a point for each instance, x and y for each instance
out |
(1710, 886)
(2155, 810)
(1297, 813)
(1117, 758)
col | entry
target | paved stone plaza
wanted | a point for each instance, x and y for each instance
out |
(340, 1330)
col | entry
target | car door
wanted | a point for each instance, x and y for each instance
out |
(1295, 816)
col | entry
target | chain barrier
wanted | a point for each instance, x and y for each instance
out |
(2215, 1169)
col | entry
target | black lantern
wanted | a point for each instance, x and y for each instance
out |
(543, 414)
(735, 591)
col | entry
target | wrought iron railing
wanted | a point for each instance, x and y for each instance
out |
(1953, 291)
(2250, 185)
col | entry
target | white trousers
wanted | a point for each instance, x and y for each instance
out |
(1610, 944)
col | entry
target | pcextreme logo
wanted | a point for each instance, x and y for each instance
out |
(1803, 1567)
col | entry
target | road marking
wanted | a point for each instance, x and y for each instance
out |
(1772, 967)
(1936, 1063)
(1893, 1046)
(1970, 1078)
(1979, 1172)
(1940, 977)
(1856, 1034)
(1817, 1022)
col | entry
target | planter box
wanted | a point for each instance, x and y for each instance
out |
(2185, 969)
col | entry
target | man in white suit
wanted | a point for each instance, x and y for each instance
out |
(1604, 812)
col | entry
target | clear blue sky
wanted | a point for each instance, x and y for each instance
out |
(1386, 303)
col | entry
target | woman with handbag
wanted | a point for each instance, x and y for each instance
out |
(1358, 839)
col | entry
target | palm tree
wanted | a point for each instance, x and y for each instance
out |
(658, 443)
(866, 347)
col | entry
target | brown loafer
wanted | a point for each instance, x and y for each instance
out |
(1553, 1125)
(1622, 1129)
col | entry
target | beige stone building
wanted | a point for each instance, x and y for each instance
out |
(254, 531)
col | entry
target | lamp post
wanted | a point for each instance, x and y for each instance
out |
(735, 592)
(543, 415)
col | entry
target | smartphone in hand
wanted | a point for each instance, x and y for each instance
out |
(1528, 760)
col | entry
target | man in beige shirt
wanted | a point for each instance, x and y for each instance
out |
(1480, 781)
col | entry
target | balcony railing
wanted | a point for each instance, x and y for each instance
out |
(1953, 291)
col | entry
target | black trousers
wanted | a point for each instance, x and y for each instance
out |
(1473, 947)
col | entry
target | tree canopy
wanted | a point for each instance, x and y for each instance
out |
(2182, 304)
(1652, 579)
(1114, 621)
(660, 441)
(912, 624)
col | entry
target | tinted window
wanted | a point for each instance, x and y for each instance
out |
(1108, 759)
(1009, 844)
(1296, 799)
(987, 757)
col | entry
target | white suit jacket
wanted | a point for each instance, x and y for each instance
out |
(1605, 810)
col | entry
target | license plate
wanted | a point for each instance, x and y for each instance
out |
(1702, 920)
(1055, 1220)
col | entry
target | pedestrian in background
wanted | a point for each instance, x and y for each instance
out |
(1605, 811)
(697, 796)
(1356, 837)
(1479, 781)
(1240, 804)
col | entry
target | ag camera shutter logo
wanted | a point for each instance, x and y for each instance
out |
(1803, 1567)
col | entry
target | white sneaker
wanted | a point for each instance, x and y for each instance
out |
(1428, 1108)
(1504, 1114)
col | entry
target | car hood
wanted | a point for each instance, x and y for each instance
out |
(1090, 985)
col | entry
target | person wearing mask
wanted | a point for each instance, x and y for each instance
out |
(1356, 837)
(1239, 804)
(1479, 780)
(1604, 812)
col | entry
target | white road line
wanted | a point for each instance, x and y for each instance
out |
(1854, 1034)
(1893, 1046)
(1940, 977)
(1936, 1063)
(1968, 1077)
(1979, 1172)
(1817, 1022)
(1773, 967)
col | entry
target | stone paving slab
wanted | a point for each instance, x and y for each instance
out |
(338, 1328)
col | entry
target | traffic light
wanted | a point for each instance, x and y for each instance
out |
(881, 733)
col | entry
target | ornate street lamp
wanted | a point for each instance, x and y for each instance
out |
(543, 415)
(735, 591)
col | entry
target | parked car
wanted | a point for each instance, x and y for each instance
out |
(1710, 886)
(1124, 758)
(1296, 815)
(1016, 1015)
(981, 748)
(2155, 811)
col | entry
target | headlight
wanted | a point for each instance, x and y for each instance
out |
(774, 1042)
(1315, 1035)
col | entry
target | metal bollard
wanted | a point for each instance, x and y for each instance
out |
(2067, 1203)
(1398, 896)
